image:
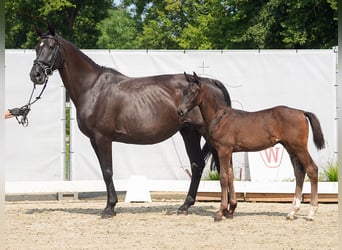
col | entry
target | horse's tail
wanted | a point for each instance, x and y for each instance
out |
(318, 136)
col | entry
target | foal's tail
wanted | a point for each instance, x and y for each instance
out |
(316, 130)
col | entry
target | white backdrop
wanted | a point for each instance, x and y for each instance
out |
(255, 80)
(33, 153)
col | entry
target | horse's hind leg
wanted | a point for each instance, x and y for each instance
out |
(299, 172)
(103, 150)
(193, 148)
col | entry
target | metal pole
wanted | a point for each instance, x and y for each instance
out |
(2, 122)
(339, 121)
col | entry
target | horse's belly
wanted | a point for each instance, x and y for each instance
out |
(144, 135)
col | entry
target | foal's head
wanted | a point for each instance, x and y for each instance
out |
(191, 95)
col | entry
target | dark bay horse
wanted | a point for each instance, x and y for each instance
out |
(232, 130)
(113, 107)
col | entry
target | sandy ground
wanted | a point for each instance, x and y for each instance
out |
(155, 225)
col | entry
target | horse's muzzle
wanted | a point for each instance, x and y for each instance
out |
(37, 75)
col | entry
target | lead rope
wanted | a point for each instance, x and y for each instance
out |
(22, 112)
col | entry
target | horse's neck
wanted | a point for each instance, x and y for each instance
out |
(210, 105)
(78, 72)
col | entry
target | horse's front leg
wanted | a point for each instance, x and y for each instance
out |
(103, 149)
(193, 148)
(225, 158)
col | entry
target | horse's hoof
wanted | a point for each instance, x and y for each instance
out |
(108, 215)
(183, 211)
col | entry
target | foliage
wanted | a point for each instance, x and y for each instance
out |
(177, 24)
(236, 24)
(330, 173)
(74, 19)
(212, 175)
(118, 31)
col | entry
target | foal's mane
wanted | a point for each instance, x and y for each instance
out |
(224, 91)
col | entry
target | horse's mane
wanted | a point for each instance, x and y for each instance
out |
(48, 34)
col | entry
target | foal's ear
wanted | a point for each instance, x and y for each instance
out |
(196, 79)
(38, 31)
(187, 77)
(51, 29)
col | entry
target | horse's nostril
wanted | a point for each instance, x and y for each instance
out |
(37, 73)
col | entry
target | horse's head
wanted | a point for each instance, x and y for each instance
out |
(48, 56)
(191, 95)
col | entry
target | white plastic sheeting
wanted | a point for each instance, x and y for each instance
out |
(33, 153)
(255, 79)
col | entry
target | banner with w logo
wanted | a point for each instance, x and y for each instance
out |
(272, 164)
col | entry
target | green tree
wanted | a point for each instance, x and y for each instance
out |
(235, 24)
(118, 31)
(74, 19)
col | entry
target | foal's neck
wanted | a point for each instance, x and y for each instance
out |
(211, 106)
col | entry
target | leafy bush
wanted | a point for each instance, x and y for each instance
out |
(331, 172)
(214, 175)
(211, 175)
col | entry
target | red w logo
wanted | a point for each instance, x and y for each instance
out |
(272, 157)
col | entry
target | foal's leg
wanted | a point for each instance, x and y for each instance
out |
(193, 148)
(225, 159)
(299, 172)
(103, 150)
(232, 195)
(311, 170)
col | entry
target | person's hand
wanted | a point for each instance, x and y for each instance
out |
(8, 114)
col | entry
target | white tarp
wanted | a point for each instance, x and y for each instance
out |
(272, 164)
(34, 153)
(255, 80)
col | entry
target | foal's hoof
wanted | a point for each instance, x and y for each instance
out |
(217, 217)
(229, 214)
(108, 215)
(290, 217)
(310, 219)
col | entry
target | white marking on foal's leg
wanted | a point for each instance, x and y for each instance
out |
(313, 210)
(295, 208)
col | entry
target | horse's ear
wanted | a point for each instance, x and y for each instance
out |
(51, 29)
(38, 31)
(196, 78)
